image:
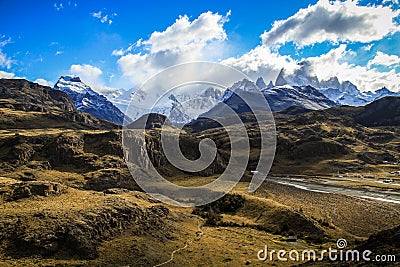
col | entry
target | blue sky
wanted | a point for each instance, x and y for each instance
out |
(46, 39)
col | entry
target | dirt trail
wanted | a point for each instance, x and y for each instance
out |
(199, 234)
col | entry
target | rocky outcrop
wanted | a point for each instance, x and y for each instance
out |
(36, 188)
(28, 96)
(112, 178)
(79, 233)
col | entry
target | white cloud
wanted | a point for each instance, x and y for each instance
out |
(384, 60)
(5, 61)
(333, 21)
(7, 75)
(59, 53)
(59, 6)
(391, 2)
(91, 76)
(44, 82)
(185, 40)
(97, 14)
(104, 18)
(329, 65)
(88, 73)
(366, 79)
(368, 47)
(5, 41)
(261, 61)
(121, 52)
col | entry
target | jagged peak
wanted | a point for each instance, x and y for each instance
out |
(280, 79)
(383, 90)
(70, 78)
(245, 85)
(332, 82)
(73, 83)
(260, 83)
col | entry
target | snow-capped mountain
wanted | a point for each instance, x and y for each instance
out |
(278, 97)
(243, 85)
(283, 96)
(382, 93)
(180, 106)
(343, 93)
(120, 98)
(89, 101)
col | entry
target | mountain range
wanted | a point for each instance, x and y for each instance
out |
(183, 105)
(343, 93)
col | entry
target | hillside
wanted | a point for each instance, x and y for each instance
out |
(27, 105)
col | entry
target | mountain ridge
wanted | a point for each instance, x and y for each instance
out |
(343, 93)
(26, 105)
(89, 101)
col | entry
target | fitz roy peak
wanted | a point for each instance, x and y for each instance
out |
(89, 101)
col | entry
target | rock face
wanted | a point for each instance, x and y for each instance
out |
(103, 180)
(87, 100)
(36, 188)
(151, 121)
(19, 94)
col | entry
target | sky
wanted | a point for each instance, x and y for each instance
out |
(120, 44)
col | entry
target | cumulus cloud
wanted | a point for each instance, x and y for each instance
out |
(44, 82)
(333, 21)
(184, 40)
(261, 61)
(88, 73)
(7, 75)
(91, 76)
(333, 64)
(383, 59)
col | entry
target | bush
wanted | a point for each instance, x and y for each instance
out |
(227, 204)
